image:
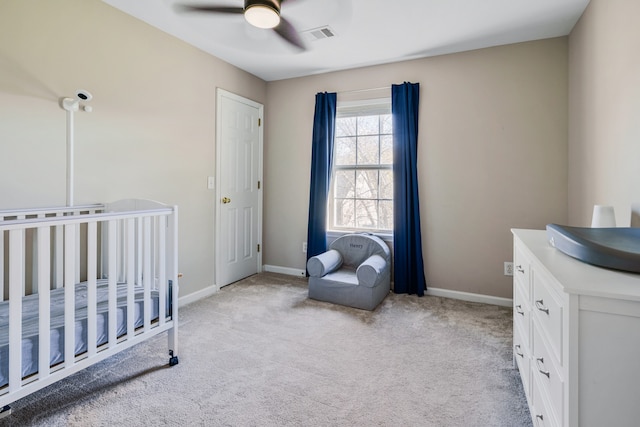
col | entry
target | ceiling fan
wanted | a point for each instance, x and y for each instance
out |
(259, 13)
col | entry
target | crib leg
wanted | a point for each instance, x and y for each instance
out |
(173, 360)
(173, 343)
(6, 411)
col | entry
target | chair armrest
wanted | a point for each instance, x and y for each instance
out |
(325, 263)
(371, 271)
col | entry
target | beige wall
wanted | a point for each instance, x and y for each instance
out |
(604, 110)
(492, 156)
(152, 132)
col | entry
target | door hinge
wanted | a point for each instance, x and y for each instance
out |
(258, 185)
(258, 247)
(259, 121)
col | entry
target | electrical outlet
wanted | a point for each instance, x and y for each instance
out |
(508, 269)
(304, 247)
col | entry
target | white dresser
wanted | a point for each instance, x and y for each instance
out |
(576, 337)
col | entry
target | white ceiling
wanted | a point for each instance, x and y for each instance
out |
(368, 32)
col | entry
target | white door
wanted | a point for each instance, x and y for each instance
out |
(239, 193)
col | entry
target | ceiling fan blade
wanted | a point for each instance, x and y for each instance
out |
(209, 9)
(289, 33)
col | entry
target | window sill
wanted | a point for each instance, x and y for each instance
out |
(334, 234)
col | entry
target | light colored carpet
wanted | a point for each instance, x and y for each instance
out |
(259, 353)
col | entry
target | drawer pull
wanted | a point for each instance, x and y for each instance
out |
(540, 306)
(519, 310)
(518, 352)
(540, 365)
(519, 269)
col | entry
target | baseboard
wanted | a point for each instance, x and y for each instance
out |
(198, 295)
(436, 292)
(210, 290)
(284, 270)
(467, 296)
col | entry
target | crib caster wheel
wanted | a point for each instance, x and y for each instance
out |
(173, 360)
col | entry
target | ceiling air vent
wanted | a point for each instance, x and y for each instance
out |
(320, 33)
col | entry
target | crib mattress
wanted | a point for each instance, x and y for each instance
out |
(30, 324)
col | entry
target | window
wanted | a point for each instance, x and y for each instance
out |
(361, 197)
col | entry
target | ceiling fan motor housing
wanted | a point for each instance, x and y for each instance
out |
(272, 4)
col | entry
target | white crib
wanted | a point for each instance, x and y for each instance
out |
(79, 284)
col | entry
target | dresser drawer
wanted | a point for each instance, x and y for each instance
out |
(540, 413)
(547, 308)
(521, 268)
(523, 359)
(546, 374)
(522, 314)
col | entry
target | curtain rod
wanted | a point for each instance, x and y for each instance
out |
(364, 90)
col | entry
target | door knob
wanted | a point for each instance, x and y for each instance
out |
(226, 200)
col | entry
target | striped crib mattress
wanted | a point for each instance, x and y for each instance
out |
(30, 324)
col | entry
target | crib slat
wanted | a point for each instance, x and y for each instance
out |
(162, 267)
(122, 251)
(34, 262)
(113, 282)
(44, 314)
(69, 294)
(147, 279)
(78, 250)
(139, 228)
(104, 254)
(92, 266)
(131, 276)
(153, 243)
(16, 284)
(58, 257)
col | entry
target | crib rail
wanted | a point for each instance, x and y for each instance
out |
(45, 249)
(57, 239)
(19, 214)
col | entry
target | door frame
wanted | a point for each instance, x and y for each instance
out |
(218, 194)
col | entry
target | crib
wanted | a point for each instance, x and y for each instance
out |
(81, 283)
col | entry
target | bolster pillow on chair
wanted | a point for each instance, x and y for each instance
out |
(370, 270)
(325, 263)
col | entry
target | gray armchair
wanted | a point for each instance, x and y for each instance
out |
(355, 271)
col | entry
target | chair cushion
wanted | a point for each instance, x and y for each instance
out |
(326, 262)
(370, 271)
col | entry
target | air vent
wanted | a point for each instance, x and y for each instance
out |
(320, 33)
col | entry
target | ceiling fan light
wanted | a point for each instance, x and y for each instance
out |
(262, 16)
